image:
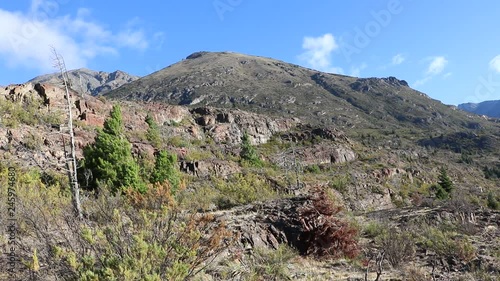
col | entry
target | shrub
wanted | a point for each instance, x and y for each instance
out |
(262, 264)
(324, 234)
(340, 183)
(242, 189)
(448, 245)
(313, 169)
(374, 229)
(399, 246)
(177, 141)
(492, 172)
(154, 240)
(492, 202)
(248, 153)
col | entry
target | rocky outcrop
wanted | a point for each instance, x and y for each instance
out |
(325, 154)
(309, 133)
(228, 126)
(266, 224)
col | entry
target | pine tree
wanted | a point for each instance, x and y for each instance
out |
(444, 181)
(153, 133)
(166, 169)
(248, 152)
(110, 158)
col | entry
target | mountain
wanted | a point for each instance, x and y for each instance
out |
(488, 108)
(274, 87)
(88, 81)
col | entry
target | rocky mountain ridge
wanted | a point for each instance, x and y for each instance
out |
(273, 87)
(89, 82)
(488, 108)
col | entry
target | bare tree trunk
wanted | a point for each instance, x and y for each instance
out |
(72, 165)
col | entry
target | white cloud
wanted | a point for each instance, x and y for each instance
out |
(398, 59)
(495, 64)
(25, 38)
(318, 51)
(436, 66)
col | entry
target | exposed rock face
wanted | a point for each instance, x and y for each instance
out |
(324, 153)
(265, 224)
(53, 99)
(228, 126)
(309, 133)
(89, 82)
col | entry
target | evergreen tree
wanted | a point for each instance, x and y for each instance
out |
(153, 133)
(110, 158)
(444, 181)
(166, 169)
(248, 152)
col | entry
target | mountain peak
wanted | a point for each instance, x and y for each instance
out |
(274, 87)
(89, 81)
(488, 108)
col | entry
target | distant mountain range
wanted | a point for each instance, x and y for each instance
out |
(488, 108)
(88, 81)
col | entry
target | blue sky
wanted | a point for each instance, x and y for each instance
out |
(447, 49)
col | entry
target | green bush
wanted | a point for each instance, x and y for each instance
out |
(29, 112)
(242, 189)
(313, 169)
(447, 244)
(248, 153)
(374, 229)
(492, 202)
(340, 183)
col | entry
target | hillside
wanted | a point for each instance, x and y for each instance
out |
(274, 87)
(88, 81)
(488, 108)
(284, 173)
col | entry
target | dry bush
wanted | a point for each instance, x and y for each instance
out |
(399, 246)
(324, 234)
(413, 273)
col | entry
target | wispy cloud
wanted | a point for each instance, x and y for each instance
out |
(436, 66)
(398, 59)
(318, 52)
(25, 38)
(495, 64)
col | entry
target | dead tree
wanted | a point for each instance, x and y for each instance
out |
(71, 162)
